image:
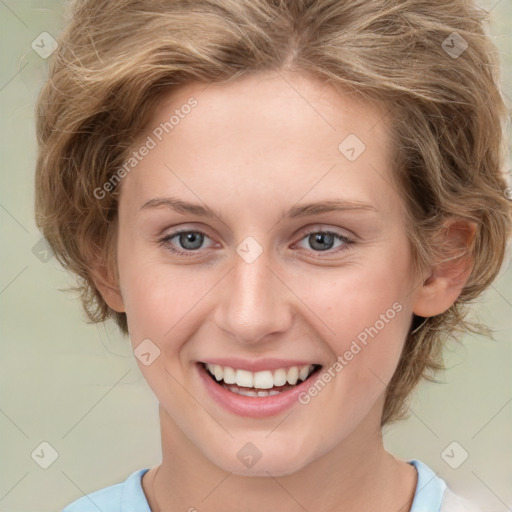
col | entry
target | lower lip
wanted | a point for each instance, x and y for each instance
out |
(249, 406)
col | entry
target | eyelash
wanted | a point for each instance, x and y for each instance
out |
(347, 242)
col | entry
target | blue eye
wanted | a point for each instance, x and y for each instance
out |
(190, 241)
(322, 241)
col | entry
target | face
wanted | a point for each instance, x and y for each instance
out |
(261, 242)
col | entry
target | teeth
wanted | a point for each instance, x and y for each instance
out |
(280, 377)
(293, 375)
(218, 372)
(229, 375)
(244, 378)
(304, 372)
(248, 392)
(264, 380)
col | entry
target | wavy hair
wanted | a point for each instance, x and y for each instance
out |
(116, 58)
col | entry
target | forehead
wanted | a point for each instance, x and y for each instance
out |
(309, 105)
(264, 132)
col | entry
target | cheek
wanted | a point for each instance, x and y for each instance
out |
(155, 301)
(365, 315)
(358, 300)
(162, 303)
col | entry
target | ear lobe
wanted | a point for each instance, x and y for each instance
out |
(107, 285)
(447, 279)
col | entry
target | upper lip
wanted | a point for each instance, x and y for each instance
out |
(258, 365)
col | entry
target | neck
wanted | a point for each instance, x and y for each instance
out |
(358, 474)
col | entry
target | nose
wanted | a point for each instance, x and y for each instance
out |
(255, 302)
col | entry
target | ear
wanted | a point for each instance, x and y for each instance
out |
(447, 279)
(107, 283)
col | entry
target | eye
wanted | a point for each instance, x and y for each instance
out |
(322, 241)
(187, 240)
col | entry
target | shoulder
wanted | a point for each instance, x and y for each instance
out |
(104, 499)
(433, 495)
(454, 503)
(122, 497)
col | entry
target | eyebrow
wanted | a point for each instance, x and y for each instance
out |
(302, 210)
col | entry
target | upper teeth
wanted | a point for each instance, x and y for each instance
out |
(262, 380)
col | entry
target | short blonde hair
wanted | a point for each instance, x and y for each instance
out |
(117, 57)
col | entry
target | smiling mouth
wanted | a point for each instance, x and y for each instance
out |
(260, 384)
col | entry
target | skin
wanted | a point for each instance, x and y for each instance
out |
(252, 149)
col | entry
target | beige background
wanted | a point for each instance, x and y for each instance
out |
(77, 387)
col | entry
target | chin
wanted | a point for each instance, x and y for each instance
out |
(272, 467)
(269, 461)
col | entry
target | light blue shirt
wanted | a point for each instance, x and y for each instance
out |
(128, 496)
